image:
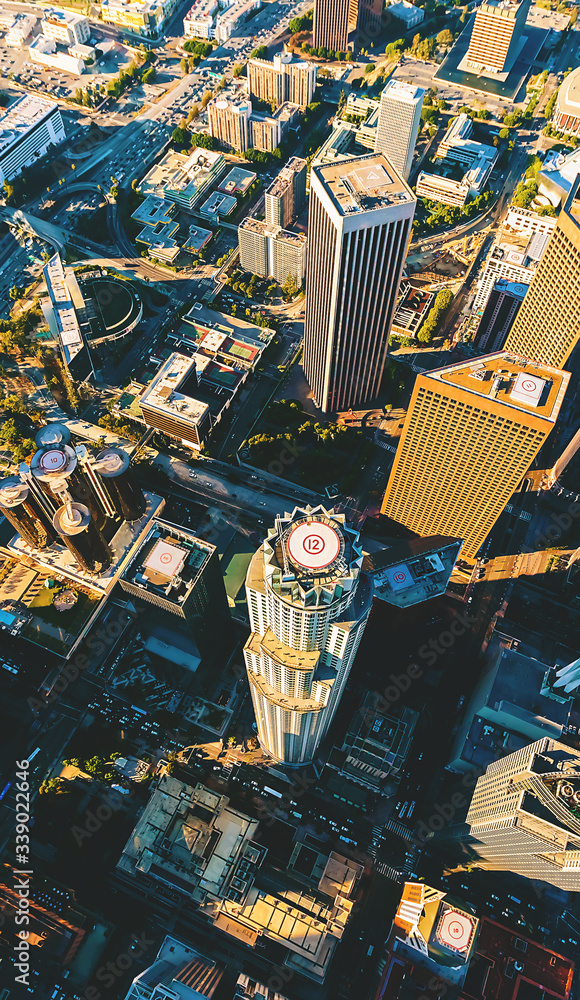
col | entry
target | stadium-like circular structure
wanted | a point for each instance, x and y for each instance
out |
(113, 307)
(567, 111)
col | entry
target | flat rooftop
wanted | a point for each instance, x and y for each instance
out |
(28, 112)
(232, 326)
(238, 180)
(512, 381)
(403, 91)
(363, 184)
(543, 971)
(163, 393)
(262, 228)
(286, 176)
(169, 561)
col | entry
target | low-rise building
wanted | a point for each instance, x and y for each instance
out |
(269, 251)
(199, 21)
(19, 30)
(433, 187)
(143, 17)
(65, 313)
(27, 131)
(407, 13)
(412, 308)
(66, 26)
(231, 18)
(217, 206)
(45, 52)
(184, 178)
(528, 222)
(229, 340)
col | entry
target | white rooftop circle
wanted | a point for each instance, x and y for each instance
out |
(166, 559)
(313, 545)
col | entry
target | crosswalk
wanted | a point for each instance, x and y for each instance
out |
(399, 829)
(389, 872)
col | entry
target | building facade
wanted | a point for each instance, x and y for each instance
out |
(66, 26)
(499, 314)
(360, 218)
(269, 251)
(495, 38)
(333, 21)
(229, 122)
(471, 433)
(547, 327)
(286, 196)
(281, 80)
(399, 123)
(308, 604)
(27, 131)
(523, 815)
(434, 187)
(566, 116)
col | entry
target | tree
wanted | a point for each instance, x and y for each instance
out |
(445, 37)
(192, 113)
(261, 52)
(184, 65)
(290, 288)
(179, 136)
(238, 69)
(341, 101)
(203, 140)
(504, 133)
(149, 75)
(207, 96)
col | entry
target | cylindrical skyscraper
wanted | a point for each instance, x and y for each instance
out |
(308, 603)
(114, 468)
(17, 506)
(82, 537)
(359, 226)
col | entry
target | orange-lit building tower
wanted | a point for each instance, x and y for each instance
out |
(471, 433)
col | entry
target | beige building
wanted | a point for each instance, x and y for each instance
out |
(286, 195)
(496, 34)
(523, 817)
(444, 189)
(265, 132)
(471, 433)
(547, 327)
(229, 122)
(65, 26)
(333, 22)
(269, 251)
(398, 124)
(282, 80)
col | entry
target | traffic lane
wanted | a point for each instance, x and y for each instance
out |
(261, 503)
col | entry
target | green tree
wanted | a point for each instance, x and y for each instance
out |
(149, 75)
(290, 288)
(261, 52)
(184, 66)
(179, 136)
(445, 37)
(238, 69)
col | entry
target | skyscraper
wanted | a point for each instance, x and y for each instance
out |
(281, 80)
(547, 327)
(495, 38)
(524, 815)
(308, 603)
(360, 217)
(471, 433)
(285, 197)
(333, 20)
(399, 123)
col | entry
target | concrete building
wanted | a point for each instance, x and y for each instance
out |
(375, 748)
(281, 80)
(19, 30)
(405, 572)
(523, 816)
(499, 314)
(180, 573)
(399, 123)
(65, 313)
(333, 21)
(168, 405)
(233, 17)
(434, 187)
(143, 17)
(65, 26)
(272, 252)
(566, 116)
(199, 21)
(177, 971)
(513, 257)
(266, 132)
(458, 146)
(496, 35)
(45, 52)
(406, 12)
(286, 196)
(528, 222)
(546, 328)
(229, 122)
(360, 218)
(27, 131)
(308, 604)
(512, 704)
(184, 179)
(471, 433)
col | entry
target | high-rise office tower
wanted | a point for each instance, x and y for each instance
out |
(308, 603)
(524, 815)
(333, 20)
(499, 314)
(547, 327)
(360, 217)
(471, 433)
(495, 38)
(399, 123)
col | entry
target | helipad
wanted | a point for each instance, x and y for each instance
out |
(313, 545)
(52, 461)
(166, 559)
(455, 930)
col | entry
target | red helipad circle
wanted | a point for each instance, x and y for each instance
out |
(529, 385)
(165, 558)
(455, 930)
(400, 577)
(313, 545)
(52, 461)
